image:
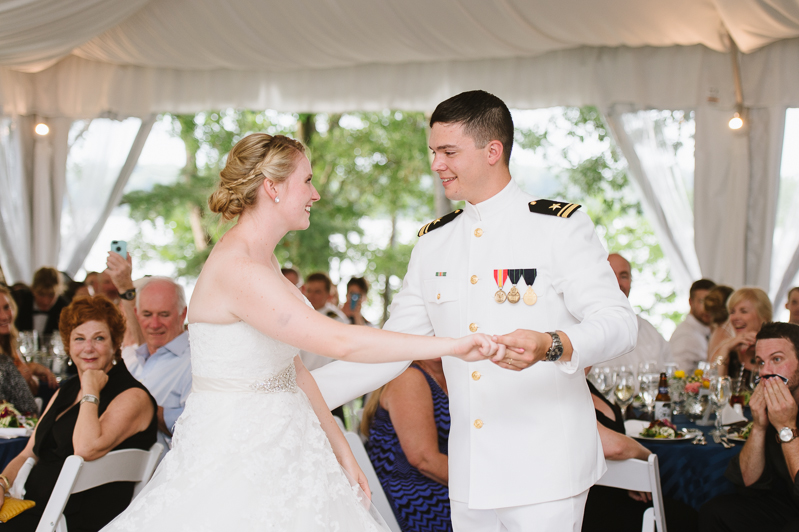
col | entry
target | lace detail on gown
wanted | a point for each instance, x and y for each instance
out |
(248, 452)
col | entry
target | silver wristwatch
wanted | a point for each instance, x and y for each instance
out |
(787, 434)
(556, 350)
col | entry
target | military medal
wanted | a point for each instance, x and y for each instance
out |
(529, 277)
(500, 276)
(513, 294)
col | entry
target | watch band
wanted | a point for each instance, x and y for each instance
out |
(556, 350)
(88, 398)
(128, 295)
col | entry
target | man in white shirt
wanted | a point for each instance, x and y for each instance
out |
(317, 289)
(689, 340)
(651, 346)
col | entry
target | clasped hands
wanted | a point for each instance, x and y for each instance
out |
(773, 403)
(515, 351)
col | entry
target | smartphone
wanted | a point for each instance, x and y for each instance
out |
(759, 378)
(120, 247)
(354, 300)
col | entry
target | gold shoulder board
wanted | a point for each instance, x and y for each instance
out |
(562, 209)
(439, 222)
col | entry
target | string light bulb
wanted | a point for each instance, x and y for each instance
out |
(736, 122)
(42, 129)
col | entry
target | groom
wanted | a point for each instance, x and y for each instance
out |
(523, 447)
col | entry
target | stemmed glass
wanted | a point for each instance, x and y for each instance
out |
(720, 392)
(27, 342)
(624, 390)
(649, 390)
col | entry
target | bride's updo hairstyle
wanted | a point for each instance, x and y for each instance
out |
(253, 159)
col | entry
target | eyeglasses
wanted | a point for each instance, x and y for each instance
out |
(758, 378)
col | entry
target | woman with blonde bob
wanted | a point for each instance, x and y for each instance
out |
(13, 385)
(103, 408)
(749, 309)
(256, 447)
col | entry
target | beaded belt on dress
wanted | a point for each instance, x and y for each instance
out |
(285, 381)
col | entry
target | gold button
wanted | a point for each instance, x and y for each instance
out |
(478, 423)
(438, 296)
(473, 327)
(473, 279)
(478, 232)
(476, 375)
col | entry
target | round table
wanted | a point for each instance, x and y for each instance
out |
(690, 473)
(9, 449)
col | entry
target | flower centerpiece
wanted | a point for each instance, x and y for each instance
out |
(10, 417)
(695, 388)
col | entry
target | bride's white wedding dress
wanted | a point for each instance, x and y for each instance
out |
(248, 452)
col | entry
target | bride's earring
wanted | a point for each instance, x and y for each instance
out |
(277, 200)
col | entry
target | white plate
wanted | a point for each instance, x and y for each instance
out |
(11, 433)
(689, 436)
(634, 427)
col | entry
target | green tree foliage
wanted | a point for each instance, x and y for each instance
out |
(367, 166)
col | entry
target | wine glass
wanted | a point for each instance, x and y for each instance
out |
(720, 392)
(608, 378)
(649, 390)
(624, 390)
(27, 342)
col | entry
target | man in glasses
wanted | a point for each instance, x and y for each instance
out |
(768, 464)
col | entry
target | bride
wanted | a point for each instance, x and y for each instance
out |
(256, 447)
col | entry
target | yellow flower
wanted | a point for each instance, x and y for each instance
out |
(705, 383)
(680, 374)
(698, 372)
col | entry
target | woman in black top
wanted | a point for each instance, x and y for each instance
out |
(103, 408)
(616, 510)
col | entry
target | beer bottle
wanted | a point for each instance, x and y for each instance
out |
(663, 400)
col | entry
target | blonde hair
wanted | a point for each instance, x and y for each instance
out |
(757, 296)
(370, 409)
(8, 342)
(254, 158)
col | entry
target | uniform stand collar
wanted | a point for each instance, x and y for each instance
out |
(493, 206)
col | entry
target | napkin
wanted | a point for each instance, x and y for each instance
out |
(14, 432)
(731, 415)
(633, 427)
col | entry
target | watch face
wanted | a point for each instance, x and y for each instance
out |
(786, 434)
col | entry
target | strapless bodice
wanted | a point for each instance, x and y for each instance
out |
(236, 351)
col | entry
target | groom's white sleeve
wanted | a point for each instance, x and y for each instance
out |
(341, 382)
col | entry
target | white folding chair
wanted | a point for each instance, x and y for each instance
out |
(637, 475)
(379, 499)
(128, 465)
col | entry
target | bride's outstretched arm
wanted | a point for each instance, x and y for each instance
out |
(337, 440)
(258, 295)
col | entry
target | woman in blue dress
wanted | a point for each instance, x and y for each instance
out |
(407, 422)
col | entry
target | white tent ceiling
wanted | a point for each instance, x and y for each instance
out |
(87, 58)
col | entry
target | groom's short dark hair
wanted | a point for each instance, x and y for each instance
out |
(484, 117)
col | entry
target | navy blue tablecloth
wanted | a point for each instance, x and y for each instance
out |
(9, 449)
(693, 474)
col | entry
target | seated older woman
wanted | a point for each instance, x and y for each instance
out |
(101, 409)
(13, 387)
(749, 309)
(407, 422)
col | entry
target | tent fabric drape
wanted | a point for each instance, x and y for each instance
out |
(15, 231)
(83, 230)
(654, 170)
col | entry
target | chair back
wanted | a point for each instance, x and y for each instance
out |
(639, 475)
(379, 499)
(77, 475)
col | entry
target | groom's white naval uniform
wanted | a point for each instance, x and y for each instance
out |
(517, 438)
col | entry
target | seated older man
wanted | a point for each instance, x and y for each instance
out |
(163, 362)
(766, 470)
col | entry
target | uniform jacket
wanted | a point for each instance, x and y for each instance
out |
(516, 438)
